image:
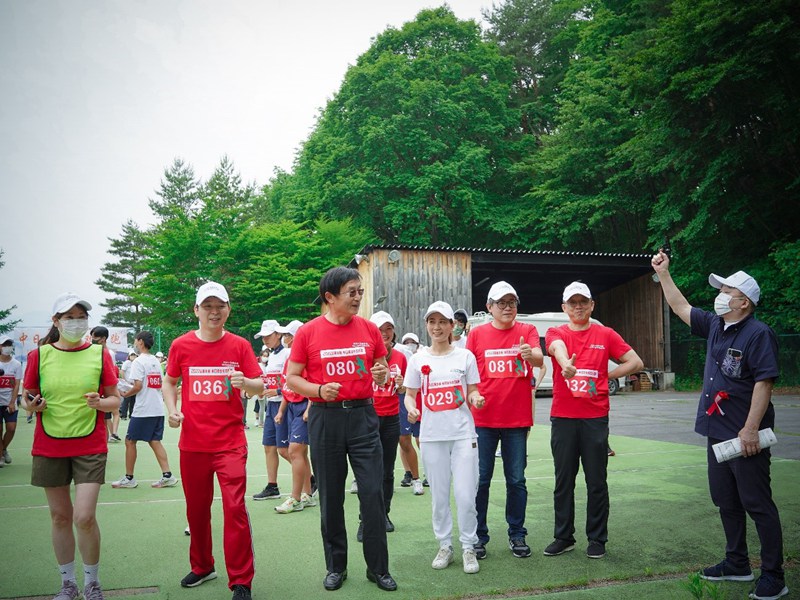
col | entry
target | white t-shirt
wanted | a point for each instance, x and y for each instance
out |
(445, 410)
(274, 371)
(149, 401)
(461, 342)
(12, 372)
(125, 370)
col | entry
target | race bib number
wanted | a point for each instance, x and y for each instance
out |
(584, 384)
(273, 380)
(505, 363)
(444, 395)
(344, 364)
(6, 382)
(154, 381)
(390, 389)
(209, 384)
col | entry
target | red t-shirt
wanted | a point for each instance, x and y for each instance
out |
(288, 394)
(339, 353)
(387, 402)
(505, 376)
(94, 443)
(211, 406)
(584, 396)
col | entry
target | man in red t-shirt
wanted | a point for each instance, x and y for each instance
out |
(213, 366)
(505, 351)
(342, 354)
(579, 416)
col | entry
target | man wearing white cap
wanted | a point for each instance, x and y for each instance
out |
(213, 365)
(741, 368)
(275, 437)
(505, 351)
(579, 416)
(10, 380)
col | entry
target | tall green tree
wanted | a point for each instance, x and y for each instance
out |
(178, 193)
(415, 145)
(6, 324)
(121, 279)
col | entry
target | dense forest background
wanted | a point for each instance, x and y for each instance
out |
(588, 126)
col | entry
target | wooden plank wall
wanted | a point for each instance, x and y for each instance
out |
(407, 287)
(635, 311)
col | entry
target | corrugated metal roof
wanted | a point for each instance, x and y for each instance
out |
(369, 247)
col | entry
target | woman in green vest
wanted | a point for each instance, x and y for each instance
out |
(71, 383)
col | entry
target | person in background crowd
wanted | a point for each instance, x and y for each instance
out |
(10, 381)
(71, 384)
(741, 369)
(100, 336)
(447, 377)
(126, 409)
(147, 419)
(214, 366)
(460, 329)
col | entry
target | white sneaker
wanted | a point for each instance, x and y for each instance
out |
(124, 482)
(187, 531)
(289, 505)
(417, 487)
(165, 482)
(354, 487)
(443, 558)
(6, 457)
(499, 452)
(471, 561)
(307, 500)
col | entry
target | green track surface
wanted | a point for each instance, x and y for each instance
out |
(662, 528)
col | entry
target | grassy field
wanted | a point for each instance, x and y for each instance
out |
(663, 527)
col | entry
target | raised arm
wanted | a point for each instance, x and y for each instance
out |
(679, 305)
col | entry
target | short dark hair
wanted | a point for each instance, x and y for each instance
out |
(335, 279)
(146, 337)
(99, 331)
(461, 315)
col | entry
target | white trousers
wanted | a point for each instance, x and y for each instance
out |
(455, 461)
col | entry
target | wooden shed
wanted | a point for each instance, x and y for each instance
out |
(403, 280)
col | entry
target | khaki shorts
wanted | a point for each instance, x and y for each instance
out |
(57, 472)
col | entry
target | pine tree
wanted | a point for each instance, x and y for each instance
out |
(6, 326)
(178, 194)
(121, 279)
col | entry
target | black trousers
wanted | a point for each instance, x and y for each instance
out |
(584, 442)
(126, 407)
(390, 436)
(741, 487)
(336, 435)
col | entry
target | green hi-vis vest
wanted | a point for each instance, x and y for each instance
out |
(64, 378)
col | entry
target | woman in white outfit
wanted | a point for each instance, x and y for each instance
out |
(447, 378)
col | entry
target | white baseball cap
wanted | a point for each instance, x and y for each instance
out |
(380, 319)
(443, 308)
(291, 328)
(739, 280)
(268, 327)
(67, 300)
(159, 355)
(411, 336)
(500, 289)
(576, 287)
(212, 289)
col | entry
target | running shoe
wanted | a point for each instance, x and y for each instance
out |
(406, 480)
(69, 591)
(170, 481)
(289, 505)
(6, 457)
(308, 501)
(470, 561)
(443, 558)
(124, 482)
(271, 491)
(241, 592)
(417, 487)
(116, 437)
(354, 487)
(193, 579)
(93, 591)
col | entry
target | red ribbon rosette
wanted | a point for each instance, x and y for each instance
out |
(715, 406)
(426, 372)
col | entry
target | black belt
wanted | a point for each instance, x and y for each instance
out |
(344, 403)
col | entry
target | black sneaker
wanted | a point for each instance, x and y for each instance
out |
(360, 532)
(725, 572)
(241, 592)
(596, 549)
(425, 483)
(519, 548)
(559, 547)
(389, 525)
(769, 588)
(271, 491)
(116, 437)
(193, 579)
(480, 550)
(406, 480)
(313, 485)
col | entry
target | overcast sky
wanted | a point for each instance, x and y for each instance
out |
(98, 97)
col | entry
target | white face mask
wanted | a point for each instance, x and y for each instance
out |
(8, 350)
(73, 330)
(722, 304)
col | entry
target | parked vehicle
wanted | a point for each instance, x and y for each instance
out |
(543, 322)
